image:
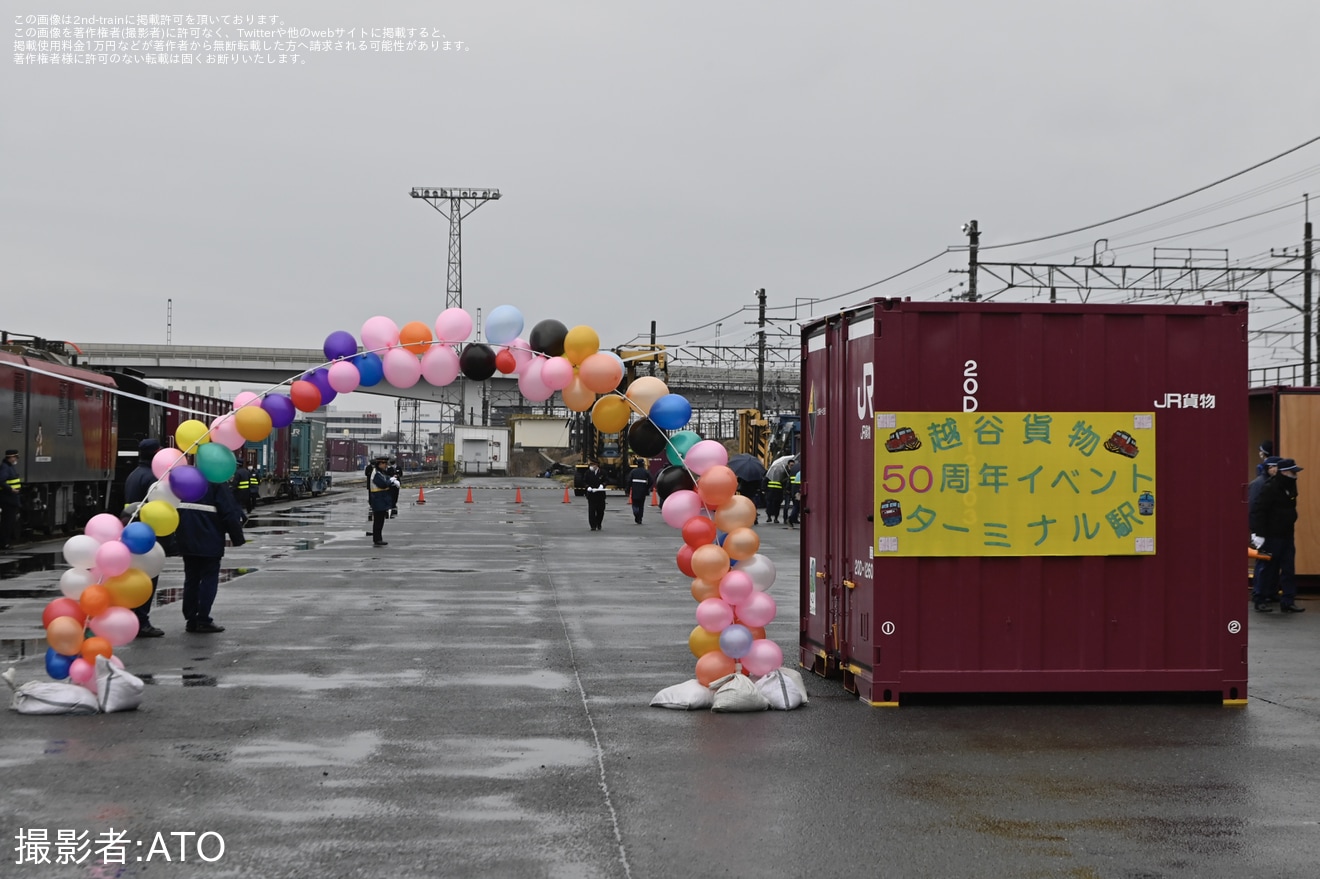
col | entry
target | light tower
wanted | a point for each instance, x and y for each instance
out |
(459, 203)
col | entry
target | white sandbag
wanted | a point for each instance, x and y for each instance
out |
(783, 689)
(52, 697)
(116, 689)
(686, 696)
(737, 693)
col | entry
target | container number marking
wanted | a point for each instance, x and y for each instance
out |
(887, 627)
(970, 386)
(862, 568)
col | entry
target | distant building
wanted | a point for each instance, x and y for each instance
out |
(362, 426)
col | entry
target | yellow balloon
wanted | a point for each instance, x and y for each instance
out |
(253, 423)
(580, 343)
(701, 642)
(189, 435)
(610, 414)
(130, 589)
(161, 516)
(65, 634)
(645, 391)
(577, 396)
(601, 372)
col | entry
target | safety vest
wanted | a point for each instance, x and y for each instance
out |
(14, 484)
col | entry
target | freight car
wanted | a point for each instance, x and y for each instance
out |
(291, 462)
(61, 419)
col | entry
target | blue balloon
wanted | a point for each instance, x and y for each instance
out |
(371, 370)
(503, 325)
(735, 641)
(139, 537)
(57, 664)
(280, 408)
(671, 412)
(339, 344)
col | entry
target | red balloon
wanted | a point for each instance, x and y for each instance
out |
(505, 362)
(685, 560)
(305, 395)
(62, 607)
(699, 531)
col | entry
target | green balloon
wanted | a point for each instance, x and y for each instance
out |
(679, 443)
(216, 462)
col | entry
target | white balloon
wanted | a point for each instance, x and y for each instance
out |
(760, 569)
(151, 562)
(80, 551)
(160, 491)
(74, 581)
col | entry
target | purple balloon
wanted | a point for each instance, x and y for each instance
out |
(339, 344)
(187, 483)
(280, 408)
(321, 378)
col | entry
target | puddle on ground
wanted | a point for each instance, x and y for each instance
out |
(171, 594)
(275, 752)
(257, 523)
(187, 679)
(14, 649)
(18, 564)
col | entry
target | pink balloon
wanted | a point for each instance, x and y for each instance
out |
(453, 325)
(522, 352)
(402, 368)
(224, 430)
(83, 672)
(162, 461)
(557, 373)
(116, 662)
(530, 384)
(113, 559)
(379, 332)
(763, 657)
(714, 615)
(758, 610)
(344, 377)
(244, 398)
(103, 527)
(704, 455)
(679, 507)
(118, 625)
(440, 365)
(735, 587)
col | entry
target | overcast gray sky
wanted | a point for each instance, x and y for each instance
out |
(658, 161)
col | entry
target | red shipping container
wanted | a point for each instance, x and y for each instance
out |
(982, 489)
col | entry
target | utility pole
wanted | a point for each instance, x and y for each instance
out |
(1307, 238)
(973, 232)
(651, 370)
(460, 203)
(169, 321)
(760, 352)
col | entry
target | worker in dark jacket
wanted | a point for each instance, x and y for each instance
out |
(595, 486)
(245, 488)
(380, 488)
(201, 541)
(1274, 517)
(639, 488)
(137, 485)
(11, 499)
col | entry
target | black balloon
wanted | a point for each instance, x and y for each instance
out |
(645, 439)
(672, 479)
(477, 361)
(548, 337)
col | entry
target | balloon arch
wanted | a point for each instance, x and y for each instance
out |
(112, 563)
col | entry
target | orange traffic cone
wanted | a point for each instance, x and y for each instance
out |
(655, 498)
(566, 500)
(469, 497)
(517, 496)
(421, 495)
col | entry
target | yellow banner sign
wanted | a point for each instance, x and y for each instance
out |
(1014, 483)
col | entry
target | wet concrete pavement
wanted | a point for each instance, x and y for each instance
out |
(471, 700)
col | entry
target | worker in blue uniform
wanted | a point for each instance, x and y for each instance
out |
(201, 540)
(380, 487)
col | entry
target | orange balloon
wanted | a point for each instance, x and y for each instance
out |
(94, 647)
(601, 372)
(758, 632)
(94, 600)
(65, 634)
(253, 423)
(742, 543)
(610, 414)
(130, 589)
(577, 396)
(645, 391)
(713, 666)
(737, 513)
(305, 395)
(710, 562)
(701, 590)
(415, 336)
(717, 485)
(701, 642)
